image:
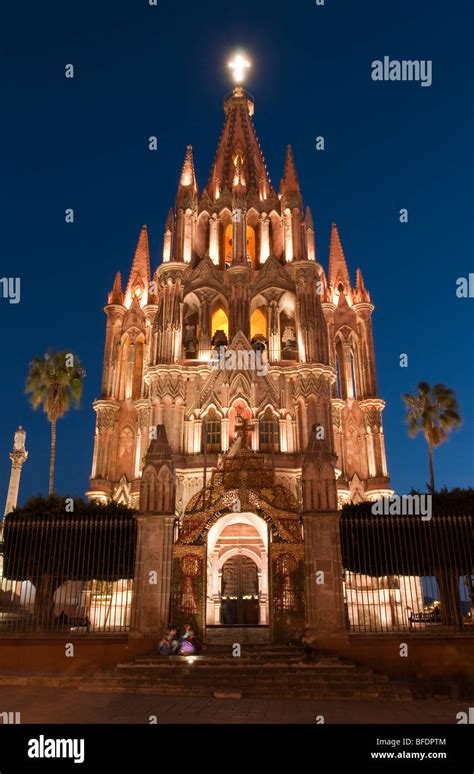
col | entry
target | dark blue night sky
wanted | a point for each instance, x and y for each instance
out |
(142, 70)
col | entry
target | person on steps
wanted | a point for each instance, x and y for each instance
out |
(189, 644)
(168, 645)
(309, 644)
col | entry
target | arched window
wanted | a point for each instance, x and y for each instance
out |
(211, 432)
(289, 346)
(269, 432)
(258, 323)
(228, 243)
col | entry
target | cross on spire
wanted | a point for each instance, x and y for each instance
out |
(238, 66)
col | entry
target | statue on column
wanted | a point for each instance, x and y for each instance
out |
(19, 440)
(18, 456)
(219, 340)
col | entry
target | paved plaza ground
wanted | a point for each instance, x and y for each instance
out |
(64, 705)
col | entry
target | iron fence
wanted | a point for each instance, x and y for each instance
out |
(67, 574)
(402, 573)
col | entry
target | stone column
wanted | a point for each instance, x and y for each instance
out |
(18, 457)
(274, 347)
(152, 583)
(106, 411)
(325, 613)
(214, 239)
(204, 326)
(225, 434)
(264, 237)
(142, 406)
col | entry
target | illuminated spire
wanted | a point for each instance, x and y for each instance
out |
(290, 182)
(140, 272)
(188, 175)
(338, 271)
(116, 295)
(238, 145)
(362, 292)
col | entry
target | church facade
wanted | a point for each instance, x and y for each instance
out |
(239, 407)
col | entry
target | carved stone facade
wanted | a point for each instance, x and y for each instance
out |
(239, 323)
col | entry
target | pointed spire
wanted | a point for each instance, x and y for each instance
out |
(291, 184)
(116, 294)
(159, 450)
(140, 272)
(188, 175)
(308, 219)
(338, 271)
(238, 140)
(361, 291)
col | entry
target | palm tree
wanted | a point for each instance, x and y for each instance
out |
(433, 411)
(55, 382)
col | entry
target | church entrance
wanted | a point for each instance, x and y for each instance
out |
(237, 571)
(239, 595)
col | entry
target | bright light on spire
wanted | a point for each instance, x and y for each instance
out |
(238, 66)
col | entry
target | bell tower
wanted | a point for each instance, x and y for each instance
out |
(240, 319)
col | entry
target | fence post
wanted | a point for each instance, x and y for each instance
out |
(152, 583)
(155, 522)
(325, 613)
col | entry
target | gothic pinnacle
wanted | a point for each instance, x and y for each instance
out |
(290, 180)
(140, 272)
(116, 294)
(188, 175)
(338, 271)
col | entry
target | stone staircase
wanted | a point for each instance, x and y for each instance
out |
(266, 671)
(245, 635)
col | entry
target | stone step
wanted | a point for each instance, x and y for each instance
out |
(279, 679)
(270, 671)
(283, 658)
(252, 690)
(244, 634)
(239, 664)
(234, 675)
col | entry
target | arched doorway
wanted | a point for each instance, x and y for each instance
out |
(239, 592)
(237, 571)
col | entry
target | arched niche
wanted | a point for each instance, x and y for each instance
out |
(219, 321)
(288, 331)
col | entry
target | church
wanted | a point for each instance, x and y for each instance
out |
(238, 464)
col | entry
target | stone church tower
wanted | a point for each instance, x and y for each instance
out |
(241, 258)
(239, 352)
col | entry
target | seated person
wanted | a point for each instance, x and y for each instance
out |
(168, 645)
(189, 644)
(309, 644)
